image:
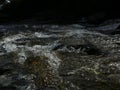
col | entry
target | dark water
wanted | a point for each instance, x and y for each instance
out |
(60, 57)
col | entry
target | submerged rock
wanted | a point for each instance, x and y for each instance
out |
(45, 77)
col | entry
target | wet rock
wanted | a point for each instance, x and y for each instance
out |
(4, 71)
(45, 77)
(34, 41)
(58, 47)
(86, 49)
(8, 88)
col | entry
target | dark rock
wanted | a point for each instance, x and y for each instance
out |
(114, 32)
(8, 88)
(2, 71)
(92, 50)
(60, 46)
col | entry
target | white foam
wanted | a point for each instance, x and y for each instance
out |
(12, 38)
(22, 57)
(41, 35)
(9, 47)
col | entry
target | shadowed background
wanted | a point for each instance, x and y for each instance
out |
(94, 10)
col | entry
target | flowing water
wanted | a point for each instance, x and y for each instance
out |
(60, 57)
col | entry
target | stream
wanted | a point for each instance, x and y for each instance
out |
(60, 57)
